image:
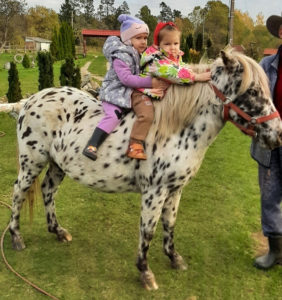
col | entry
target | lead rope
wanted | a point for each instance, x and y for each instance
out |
(12, 269)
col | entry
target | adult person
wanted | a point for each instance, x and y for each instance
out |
(270, 161)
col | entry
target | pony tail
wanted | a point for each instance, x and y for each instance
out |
(32, 197)
(32, 194)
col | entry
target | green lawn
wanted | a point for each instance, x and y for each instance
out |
(218, 213)
(29, 77)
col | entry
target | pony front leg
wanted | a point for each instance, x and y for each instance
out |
(169, 213)
(150, 214)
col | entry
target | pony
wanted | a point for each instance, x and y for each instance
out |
(55, 124)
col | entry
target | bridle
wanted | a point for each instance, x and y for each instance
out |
(252, 121)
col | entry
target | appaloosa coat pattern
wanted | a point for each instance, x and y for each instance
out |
(55, 124)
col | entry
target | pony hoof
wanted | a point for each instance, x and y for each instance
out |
(18, 243)
(64, 236)
(179, 263)
(148, 280)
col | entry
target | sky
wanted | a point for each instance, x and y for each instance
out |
(253, 7)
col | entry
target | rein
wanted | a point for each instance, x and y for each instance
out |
(252, 121)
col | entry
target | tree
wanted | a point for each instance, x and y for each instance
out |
(40, 21)
(176, 14)
(88, 8)
(8, 10)
(260, 19)
(166, 14)
(67, 12)
(45, 65)
(216, 25)
(106, 8)
(70, 75)
(190, 41)
(14, 93)
(26, 62)
(63, 42)
(243, 26)
(113, 20)
(199, 42)
(145, 15)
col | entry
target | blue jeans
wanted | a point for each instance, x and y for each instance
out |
(270, 182)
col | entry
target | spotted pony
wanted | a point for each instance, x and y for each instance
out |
(55, 124)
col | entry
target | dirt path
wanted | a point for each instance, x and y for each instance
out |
(84, 71)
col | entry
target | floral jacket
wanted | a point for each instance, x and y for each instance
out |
(157, 63)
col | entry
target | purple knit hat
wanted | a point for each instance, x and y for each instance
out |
(130, 27)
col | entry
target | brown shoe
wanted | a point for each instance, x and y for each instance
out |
(136, 151)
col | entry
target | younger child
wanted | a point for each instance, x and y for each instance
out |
(163, 59)
(123, 76)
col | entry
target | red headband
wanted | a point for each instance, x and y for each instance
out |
(159, 27)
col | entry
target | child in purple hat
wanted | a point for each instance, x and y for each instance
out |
(117, 90)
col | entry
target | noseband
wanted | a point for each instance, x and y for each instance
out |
(252, 121)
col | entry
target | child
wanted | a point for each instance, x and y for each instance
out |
(116, 90)
(163, 59)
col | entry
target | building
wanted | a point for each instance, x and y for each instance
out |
(269, 51)
(239, 48)
(37, 44)
(97, 33)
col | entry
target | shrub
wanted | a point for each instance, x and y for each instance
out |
(26, 61)
(45, 65)
(14, 93)
(70, 75)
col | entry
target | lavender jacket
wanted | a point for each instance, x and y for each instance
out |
(112, 89)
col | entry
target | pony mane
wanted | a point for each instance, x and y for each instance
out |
(179, 107)
(253, 73)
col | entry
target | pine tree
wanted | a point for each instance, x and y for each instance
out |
(54, 47)
(26, 62)
(70, 75)
(14, 93)
(45, 65)
(199, 42)
(66, 12)
(63, 42)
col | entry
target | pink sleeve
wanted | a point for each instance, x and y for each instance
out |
(128, 79)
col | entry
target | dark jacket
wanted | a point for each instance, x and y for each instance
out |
(270, 66)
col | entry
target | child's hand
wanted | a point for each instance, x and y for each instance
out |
(157, 92)
(206, 76)
(159, 84)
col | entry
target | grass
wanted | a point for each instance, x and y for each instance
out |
(29, 77)
(219, 211)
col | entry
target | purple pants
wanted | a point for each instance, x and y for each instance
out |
(112, 117)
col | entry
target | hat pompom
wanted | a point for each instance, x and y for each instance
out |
(122, 18)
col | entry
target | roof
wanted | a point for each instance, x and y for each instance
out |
(269, 51)
(99, 32)
(36, 39)
(239, 48)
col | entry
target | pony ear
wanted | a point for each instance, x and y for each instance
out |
(227, 60)
(224, 57)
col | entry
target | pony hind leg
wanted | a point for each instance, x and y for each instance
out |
(168, 218)
(54, 176)
(27, 174)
